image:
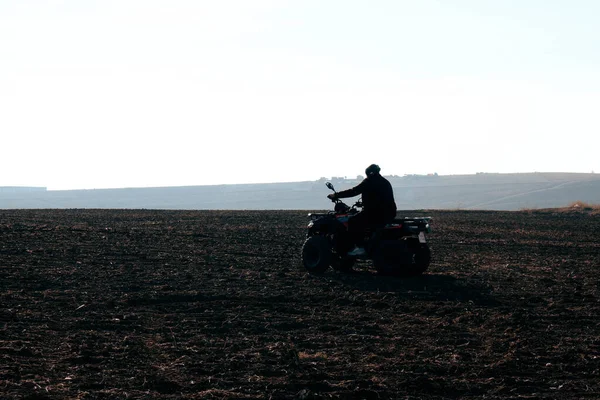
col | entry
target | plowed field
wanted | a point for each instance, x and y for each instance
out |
(115, 304)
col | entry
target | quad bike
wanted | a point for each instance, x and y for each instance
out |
(399, 247)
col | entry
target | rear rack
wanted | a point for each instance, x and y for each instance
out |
(414, 224)
(413, 219)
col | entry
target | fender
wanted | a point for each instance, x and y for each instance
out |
(324, 225)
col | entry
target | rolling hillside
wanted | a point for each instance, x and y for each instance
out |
(481, 191)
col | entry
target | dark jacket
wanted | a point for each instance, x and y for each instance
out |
(377, 197)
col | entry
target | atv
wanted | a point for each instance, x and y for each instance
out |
(398, 248)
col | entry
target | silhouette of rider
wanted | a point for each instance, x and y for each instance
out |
(379, 206)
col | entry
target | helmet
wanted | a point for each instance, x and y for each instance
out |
(372, 169)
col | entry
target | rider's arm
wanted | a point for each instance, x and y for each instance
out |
(355, 191)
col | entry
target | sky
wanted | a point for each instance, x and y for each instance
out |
(137, 93)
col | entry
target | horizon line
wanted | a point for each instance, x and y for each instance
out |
(45, 188)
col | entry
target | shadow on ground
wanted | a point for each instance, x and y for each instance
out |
(430, 286)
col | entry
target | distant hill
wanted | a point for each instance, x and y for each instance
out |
(480, 191)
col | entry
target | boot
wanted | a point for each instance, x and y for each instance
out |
(357, 251)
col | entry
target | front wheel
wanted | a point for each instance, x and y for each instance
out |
(316, 254)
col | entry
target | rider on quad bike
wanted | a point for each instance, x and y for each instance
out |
(379, 207)
(395, 245)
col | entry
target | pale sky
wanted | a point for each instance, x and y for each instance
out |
(133, 93)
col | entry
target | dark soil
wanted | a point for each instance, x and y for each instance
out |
(99, 304)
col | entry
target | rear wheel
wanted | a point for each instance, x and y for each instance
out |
(387, 258)
(421, 260)
(316, 254)
(406, 257)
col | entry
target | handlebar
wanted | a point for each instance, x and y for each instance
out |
(340, 206)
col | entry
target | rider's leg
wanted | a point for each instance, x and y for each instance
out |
(357, 224)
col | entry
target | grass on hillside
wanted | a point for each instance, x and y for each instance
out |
(576, 206)
(582, 206)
